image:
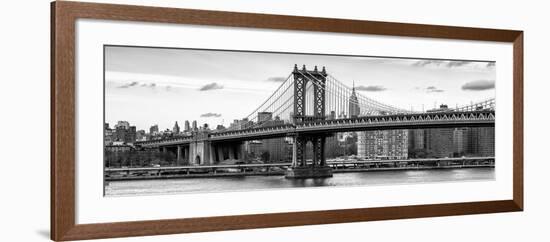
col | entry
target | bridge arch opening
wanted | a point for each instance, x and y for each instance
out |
(309, 153)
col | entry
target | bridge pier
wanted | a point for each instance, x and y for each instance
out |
(201, 153)
(300, 169)
(235, 151)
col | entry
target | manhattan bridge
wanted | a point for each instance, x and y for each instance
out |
(313, 105)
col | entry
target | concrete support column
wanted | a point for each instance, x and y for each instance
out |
(322, 147)
(220, 153)
(303, 144)
(242, 152)
(178, 155)
(231, 152)
(211, 156)
(294, 152)
(192, 154)
(315, 152)
(185, 153)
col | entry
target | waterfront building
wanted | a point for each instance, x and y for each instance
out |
(240, 124)
(481, 141)
(440, 142)
(154, 130)
(385, 144)
(254, 148)
(278, 148)
(118, 148)
(108, 134)
(332, 147)
(141, 135)
(417, 143)
(417, 139)
(122, 124)
(264, 116)
(460, 141)
(123, 132)
(361, 145)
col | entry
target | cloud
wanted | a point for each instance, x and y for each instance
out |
(431, 89)
(211, 86)
(479, 85)
(446, 63)
(211, 115)
(452, 64)
(128, 85)
(423, 63)
(370, 88)
(276, 79)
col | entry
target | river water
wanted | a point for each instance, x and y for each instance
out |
(224, 184)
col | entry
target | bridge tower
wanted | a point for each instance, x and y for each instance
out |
(300, 168)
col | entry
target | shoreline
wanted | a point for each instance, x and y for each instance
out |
(282, 172)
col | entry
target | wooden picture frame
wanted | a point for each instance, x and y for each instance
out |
(63, 18)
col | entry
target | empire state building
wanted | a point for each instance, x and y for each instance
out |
(353, 104)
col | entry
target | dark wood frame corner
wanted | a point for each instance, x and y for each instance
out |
(63, 17)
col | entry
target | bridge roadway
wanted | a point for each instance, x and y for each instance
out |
(287, 164)
(482, 118)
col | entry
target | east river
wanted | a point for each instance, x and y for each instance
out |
(245, 183)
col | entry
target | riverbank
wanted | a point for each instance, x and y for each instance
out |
(281, 172)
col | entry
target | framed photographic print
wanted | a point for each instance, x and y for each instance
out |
(172, 120)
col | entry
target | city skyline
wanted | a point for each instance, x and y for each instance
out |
(216, 87)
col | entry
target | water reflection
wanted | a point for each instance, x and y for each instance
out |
(224, 184)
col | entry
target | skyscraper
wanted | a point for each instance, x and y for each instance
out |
(195, 128)
(176, 128)
(353, 104)
(187, 127)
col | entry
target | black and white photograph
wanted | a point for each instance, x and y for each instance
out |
(203, 120)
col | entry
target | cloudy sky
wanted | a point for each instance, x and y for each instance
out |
(147, 86)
